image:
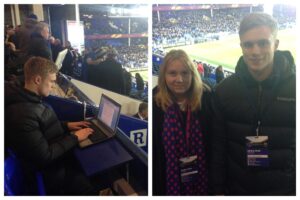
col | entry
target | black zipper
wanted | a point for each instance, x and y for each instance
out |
(259, 103)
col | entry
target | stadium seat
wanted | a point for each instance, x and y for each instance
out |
(13, 177)
(14, 180)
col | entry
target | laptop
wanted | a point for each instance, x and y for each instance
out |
(60, 58)
(105, 123)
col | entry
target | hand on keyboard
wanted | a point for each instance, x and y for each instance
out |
(74, 126)
(83, 133)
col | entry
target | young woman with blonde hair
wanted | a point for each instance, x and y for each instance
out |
(180, 128)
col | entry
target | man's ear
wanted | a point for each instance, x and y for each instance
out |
(37, 79)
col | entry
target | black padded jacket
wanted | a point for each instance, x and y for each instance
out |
(32, 129)
(239, 103)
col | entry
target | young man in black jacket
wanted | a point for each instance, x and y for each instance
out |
(38, 138)
(254, 141)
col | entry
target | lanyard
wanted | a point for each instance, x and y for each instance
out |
(187, 126)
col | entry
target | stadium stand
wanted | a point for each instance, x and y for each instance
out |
(181, 27)
(188, 24)
(127, 34)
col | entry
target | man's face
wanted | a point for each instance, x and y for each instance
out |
(258, 46)
(178, 78)
(46, 85)
(45, 33)
(10, 31)
(52, 40)
(144, 113)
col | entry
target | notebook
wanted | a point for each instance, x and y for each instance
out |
(105, 123)
(60, 58)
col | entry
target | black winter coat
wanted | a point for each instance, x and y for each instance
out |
(159, 161)
(109, 75)
(239, 103)
(38, 46)
(139, 83)
(34, 133)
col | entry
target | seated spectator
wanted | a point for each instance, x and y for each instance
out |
(200, 69)
(219, 74)
(199, 25)
(143, 112)
(38, 138)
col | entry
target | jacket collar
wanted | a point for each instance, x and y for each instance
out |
(17, 94)
(31, 96)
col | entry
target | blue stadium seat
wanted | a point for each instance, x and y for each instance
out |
(13, 177)
(14, 180)
(40, 184)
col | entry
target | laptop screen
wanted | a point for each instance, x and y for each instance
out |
(60, 58)
(109, 112)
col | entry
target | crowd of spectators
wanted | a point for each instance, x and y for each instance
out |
(139, 25)
(133, 52)
(285, 16)
(133, 56)
(196, 25)
(100, 23)
(184, 27)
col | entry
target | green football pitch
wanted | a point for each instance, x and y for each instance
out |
(227, 51)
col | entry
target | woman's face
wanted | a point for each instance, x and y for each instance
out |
(178, 79)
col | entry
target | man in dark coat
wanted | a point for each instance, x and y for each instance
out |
(254, 137)
(24, 33)
(38, 138)
(38, 43)
(93, 63)
(127, 82)
(110, 73)
(139, 84)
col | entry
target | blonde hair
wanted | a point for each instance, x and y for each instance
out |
(38, 66)
(164, 97)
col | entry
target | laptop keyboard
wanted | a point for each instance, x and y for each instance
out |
(97, 134)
